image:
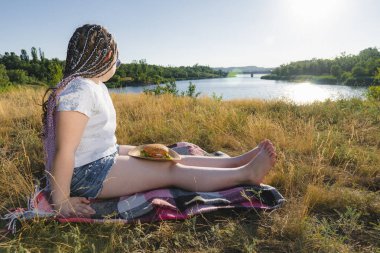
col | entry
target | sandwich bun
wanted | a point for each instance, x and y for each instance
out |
(156, 150)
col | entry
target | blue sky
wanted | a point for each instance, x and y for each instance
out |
(217, 33)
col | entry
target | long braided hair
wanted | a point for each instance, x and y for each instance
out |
(90, 53)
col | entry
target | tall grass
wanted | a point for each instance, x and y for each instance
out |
(328, 170)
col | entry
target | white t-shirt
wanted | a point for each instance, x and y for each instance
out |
(92, 99)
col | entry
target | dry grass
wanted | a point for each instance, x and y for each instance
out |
(328, 170)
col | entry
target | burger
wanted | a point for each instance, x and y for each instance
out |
(155, 151)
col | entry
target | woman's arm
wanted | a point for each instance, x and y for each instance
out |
(69, 130)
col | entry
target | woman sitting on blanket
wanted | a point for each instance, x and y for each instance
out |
(82, 158)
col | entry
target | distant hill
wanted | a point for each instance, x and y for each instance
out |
(245, 69)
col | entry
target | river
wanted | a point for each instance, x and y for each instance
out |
(244, 86)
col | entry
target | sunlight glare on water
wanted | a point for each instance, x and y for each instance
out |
(305, 92)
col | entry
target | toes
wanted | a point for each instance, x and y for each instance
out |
(271, 144)
(271, 153)
(267, 143)
(269, 148)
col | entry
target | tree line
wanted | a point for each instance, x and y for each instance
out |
(141, 73)
(35, 69)
(361, 69)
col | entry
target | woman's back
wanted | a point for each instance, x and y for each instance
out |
(93, 100)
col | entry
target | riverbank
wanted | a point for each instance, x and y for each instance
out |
(128, 82)
(327, 169)
(327, 79)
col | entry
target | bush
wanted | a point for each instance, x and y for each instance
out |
(171, 88)
(373, 93)
(18, 76)
(377, 77)
(191, 91)
(359, 81)
(5, 84)
(168, 88)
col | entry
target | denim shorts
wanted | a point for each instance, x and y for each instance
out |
(87, 180)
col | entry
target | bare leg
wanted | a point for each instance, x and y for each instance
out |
(130, 175)
(223, 162)
(204, 161)
(124, 149)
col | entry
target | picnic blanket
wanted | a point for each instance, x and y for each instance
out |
(156, 204)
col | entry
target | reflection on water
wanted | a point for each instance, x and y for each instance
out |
(305, 92)
(245, 86)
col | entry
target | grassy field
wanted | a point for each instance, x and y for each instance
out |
(328, 170)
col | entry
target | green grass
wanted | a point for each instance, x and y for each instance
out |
(327, 169)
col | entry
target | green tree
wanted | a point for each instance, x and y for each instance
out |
(11, 61)
(24, 55)
(359, 71)
(336, 70)
(33, 52)
(369, 53)
(42, 54)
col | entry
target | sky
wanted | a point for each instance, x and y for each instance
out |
(217, 33)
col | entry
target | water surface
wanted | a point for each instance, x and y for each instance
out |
(245, 86)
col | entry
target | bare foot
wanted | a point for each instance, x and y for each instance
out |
(256, 170)
(245, 158)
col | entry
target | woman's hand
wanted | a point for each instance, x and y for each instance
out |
(75, 207)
